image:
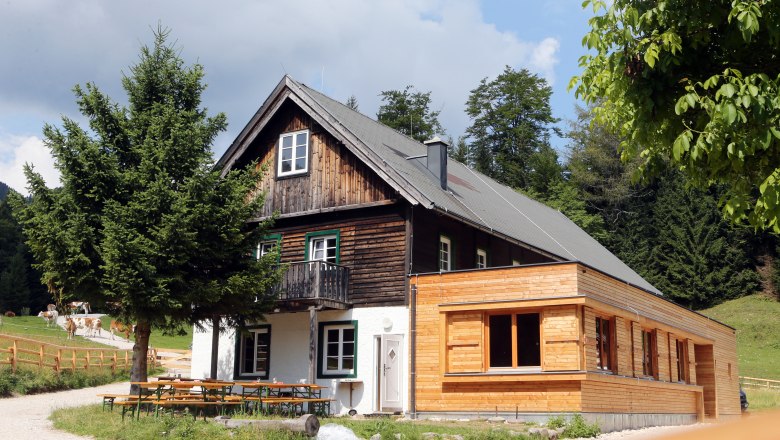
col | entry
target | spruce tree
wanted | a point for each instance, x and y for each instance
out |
(142, 220)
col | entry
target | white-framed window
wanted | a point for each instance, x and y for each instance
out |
(338, 349)
(255, 352)
(445, 253)
(293, 153)
(481, 258)
(324, 248)
(265, 247)
(515, 262)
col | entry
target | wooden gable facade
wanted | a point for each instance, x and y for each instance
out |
(336, 178)
(382, 236)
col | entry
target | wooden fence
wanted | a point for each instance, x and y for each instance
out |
(20, 351)
(754, 382)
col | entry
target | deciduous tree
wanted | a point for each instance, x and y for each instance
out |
(511, 122)
(694, 85)
(409, 112)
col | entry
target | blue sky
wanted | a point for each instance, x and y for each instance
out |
(342, 47)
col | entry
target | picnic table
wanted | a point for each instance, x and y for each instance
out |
(285, 397)
(267, 397)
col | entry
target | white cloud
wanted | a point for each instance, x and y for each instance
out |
(16, 151)
(363, 47)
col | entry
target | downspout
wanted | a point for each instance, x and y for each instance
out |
(413, 341)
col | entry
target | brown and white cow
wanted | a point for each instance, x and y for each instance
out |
(120, 327)
(70, 327)
(49, 317)
(76, 305)
(90, 325)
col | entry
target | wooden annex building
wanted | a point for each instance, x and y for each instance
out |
(417, 285)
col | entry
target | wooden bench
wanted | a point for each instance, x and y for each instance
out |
(196, 403)
(109, 399)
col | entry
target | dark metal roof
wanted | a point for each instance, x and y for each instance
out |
(470, 195)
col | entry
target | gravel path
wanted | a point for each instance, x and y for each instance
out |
(27, 417)
(655, 432)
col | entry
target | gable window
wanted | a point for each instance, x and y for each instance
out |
(515, 262)
(255, 353)
(481, 258)
(682, 361)
(323, 246)
(648, 351)
(337, 349)
(445, 253)
(513, 340)
(293, 153)
(603, 344)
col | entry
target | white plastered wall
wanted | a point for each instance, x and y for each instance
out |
(290, 355)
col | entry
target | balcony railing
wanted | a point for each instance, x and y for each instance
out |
(315, 282)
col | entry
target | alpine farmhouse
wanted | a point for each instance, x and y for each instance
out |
(417, 285)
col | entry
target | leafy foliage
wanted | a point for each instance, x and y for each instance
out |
(408, 111)
(510, 129)
(142, 220)
(699, 87)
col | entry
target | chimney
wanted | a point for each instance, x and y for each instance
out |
(437, 159)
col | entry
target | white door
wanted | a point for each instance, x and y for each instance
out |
(390, 371)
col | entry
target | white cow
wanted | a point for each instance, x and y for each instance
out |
(50, 317)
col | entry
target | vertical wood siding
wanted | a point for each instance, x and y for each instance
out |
(335, 178)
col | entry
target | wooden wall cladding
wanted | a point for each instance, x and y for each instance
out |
(632, 396)
(335, 178)
(599, 286)
(372, 245)
(451, 309)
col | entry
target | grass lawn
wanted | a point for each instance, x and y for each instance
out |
(757, 320)
(158, 340)
(90, 420)
(762, 399)
(35, 328)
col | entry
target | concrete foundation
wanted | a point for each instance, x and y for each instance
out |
(608, 422)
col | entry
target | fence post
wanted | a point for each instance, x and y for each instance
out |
(126, 363)
(13, 356)
(86, 367)
(40, 360)
(113, 364)
(57, 360)
(73, 359)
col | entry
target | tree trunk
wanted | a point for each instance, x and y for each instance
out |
(307, 424)
(214, 346)
(138, 372)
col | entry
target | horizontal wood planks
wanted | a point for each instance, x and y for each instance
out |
(624, 395)
(683, 323)
(452, 348)
(371, 245)
(560, 339)
(335, 177)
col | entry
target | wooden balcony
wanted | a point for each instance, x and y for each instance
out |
(308, 283)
